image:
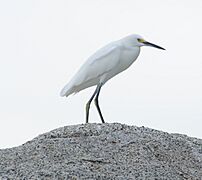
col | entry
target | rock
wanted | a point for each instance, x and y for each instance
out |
(104, 151)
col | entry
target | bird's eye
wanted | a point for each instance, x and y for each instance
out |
(140, 40)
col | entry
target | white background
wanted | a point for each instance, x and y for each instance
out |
(44, 42)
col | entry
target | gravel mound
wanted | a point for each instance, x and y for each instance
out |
(104, 151)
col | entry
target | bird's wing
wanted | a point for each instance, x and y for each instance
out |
(99, 63)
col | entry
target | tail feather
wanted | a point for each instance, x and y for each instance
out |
(66, 91)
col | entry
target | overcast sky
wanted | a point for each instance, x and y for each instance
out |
(44, 42)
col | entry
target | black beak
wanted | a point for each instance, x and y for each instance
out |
(152, 45)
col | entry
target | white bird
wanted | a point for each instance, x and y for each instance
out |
(104, 64)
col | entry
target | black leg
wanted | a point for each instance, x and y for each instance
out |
(88, 104)
(97, 104)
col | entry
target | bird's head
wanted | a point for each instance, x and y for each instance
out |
(137, 40)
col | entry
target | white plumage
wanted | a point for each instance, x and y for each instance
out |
(105, 64)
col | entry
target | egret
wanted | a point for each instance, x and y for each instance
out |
(104, 64)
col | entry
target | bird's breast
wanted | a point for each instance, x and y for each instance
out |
(128, 56)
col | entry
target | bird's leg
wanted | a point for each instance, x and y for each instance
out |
(97, 104)
(88, 105)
